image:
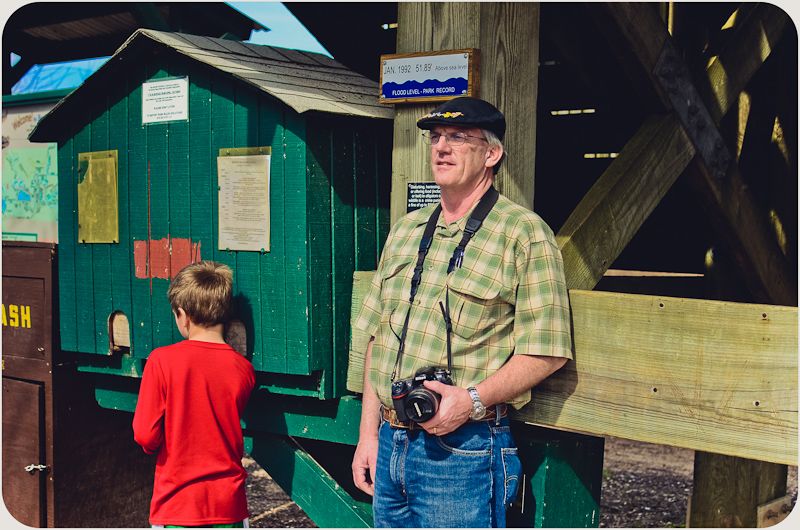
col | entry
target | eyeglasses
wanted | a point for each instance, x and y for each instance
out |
(456, 138)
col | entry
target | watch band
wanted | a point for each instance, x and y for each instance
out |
(478, 408)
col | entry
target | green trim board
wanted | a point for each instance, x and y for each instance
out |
(309, 484)
(49, 96)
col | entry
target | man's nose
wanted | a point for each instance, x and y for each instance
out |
(441, 144)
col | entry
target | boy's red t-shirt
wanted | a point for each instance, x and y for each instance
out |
(190, 404)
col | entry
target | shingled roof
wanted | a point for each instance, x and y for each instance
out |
(304, 81)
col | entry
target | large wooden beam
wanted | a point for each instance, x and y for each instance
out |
(507, 35)
(711, 376)
(649, 54)
(728, 73)
(610, 214)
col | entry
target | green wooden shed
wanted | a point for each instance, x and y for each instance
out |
(139, 147)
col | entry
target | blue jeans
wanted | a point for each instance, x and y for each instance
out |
(463, 479)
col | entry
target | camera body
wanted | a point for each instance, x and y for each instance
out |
(412, 401)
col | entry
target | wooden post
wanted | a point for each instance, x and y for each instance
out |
(507, 35)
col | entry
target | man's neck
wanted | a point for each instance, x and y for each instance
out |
(456, 203)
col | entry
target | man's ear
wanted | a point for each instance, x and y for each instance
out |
(494, 155)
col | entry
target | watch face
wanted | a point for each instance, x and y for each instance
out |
(478, 411)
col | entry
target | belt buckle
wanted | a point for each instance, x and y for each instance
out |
(390, 415)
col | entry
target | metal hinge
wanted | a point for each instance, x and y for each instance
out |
(36, 467)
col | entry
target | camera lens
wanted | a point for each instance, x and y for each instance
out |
(421, 404)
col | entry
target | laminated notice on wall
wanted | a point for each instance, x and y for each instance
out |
(98, 204)
(244, 200)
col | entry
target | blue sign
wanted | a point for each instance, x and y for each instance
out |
(416, 77)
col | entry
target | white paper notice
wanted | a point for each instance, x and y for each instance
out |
(166, 100)
(243, 202)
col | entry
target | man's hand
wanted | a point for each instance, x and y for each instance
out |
(454, 409)
(364, 463)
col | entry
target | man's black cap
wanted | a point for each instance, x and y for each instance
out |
(467, 112)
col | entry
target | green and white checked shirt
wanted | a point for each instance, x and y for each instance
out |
(509, 297)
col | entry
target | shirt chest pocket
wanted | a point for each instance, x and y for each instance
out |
(476, 305)
(395, 284)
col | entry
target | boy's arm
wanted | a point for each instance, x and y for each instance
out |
(148, 420)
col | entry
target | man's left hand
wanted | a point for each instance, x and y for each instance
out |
(454, 408)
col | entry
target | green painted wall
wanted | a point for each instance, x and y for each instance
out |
(329, 193)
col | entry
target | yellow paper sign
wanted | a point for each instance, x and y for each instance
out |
(98, 203)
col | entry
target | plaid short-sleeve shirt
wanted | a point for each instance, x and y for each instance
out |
(509, 297)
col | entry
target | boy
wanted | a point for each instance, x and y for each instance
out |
(190, 404)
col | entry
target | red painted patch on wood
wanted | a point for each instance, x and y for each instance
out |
(164, 258)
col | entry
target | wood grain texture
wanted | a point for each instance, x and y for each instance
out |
(621, 200)
(507, 35)
(712, 376)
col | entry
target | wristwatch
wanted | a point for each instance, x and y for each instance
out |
(478, 410)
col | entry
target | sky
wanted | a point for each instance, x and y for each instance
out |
(285, 32)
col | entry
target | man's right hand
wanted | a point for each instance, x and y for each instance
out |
(364, 462)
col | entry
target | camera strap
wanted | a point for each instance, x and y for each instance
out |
(474, 223)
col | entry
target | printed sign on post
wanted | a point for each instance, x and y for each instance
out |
(421, 194)
(165, 100)
(429, 76)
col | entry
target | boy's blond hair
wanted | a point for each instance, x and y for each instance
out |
(204, 291)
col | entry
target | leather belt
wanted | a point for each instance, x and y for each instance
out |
(390, 416)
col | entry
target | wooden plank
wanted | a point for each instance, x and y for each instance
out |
(139, 203)
(711, 376)
(366, 229)
(320, 252)
(248, 264)
(296, 253)
(272, 356)
(121, 253)
(222, 131)
(158, 149)
(508, 35)
(343, 245)
(610, 214)
(101, 295)
(84, 270)
(68, 236)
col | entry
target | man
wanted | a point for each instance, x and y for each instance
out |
(490, 311)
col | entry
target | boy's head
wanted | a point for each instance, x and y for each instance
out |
(204, 291)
